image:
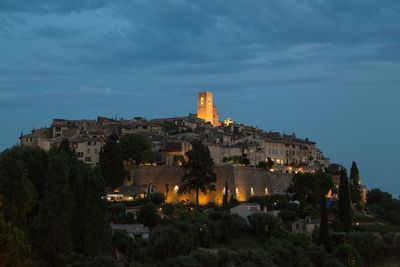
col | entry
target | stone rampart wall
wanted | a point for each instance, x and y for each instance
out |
(243, 182)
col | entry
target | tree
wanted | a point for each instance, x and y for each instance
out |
(111, 163)
(268, 164)
(355, 174)
(53, 224)
(348, 255)
(355, 189)
(134, 146)
(262, 223)
(225, 200)
(14, 250)
(308, 187)
(198, 171)
(376, 196)
(65, 146)
(233, 202)
(91, 229)
(237, 160)
(288, 216)
(35, 161)
(345, 210)
(148, 215)
(17, 193)
(324, 228)
(166, 241)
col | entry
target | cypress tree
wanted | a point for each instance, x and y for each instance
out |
(53, 224)
(111, 163)
(91, 228)
(17, 193)
(324, 228)
(225, 200)
(355, 189)
(345, 210)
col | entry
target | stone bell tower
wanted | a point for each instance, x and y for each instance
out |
(206, 109)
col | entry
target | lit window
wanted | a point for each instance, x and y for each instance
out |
(251, 191)
(266, 191)
(176, 188)
(237, 191)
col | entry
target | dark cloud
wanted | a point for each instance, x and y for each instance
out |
(56, 33)
(49, 6)
(277, 64)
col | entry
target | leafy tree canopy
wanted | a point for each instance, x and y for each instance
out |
(198, 171)
(134, 147)
(308, 187)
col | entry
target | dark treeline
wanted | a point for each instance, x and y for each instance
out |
(52, 207)
(53, 212)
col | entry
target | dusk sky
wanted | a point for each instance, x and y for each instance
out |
(324, 69)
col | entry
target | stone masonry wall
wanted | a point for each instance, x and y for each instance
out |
(243, 182)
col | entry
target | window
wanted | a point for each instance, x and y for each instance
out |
(88, 150)
(79, 154)
(95, 151)
(88, 159)
(88, 143)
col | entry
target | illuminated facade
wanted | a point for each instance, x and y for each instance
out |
(206, 110)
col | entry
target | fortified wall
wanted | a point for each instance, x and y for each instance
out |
(243, 182)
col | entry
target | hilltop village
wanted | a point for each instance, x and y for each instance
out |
(171, 138)
(237, 151)
(167, 191)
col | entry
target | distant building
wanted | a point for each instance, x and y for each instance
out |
(132, 230)
(305, 226)
(172, 137)
(244, 210)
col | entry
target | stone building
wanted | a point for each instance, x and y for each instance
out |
(171, 138)
(243, 182)
(206, 110)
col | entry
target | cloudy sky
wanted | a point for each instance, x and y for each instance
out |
(324, 69)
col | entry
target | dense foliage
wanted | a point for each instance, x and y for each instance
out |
(53, 206)
(345, 210)
(136, 148)
(53, 212)
(111, 163)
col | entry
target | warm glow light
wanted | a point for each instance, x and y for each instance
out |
(237, 191)
(251, 191)
(176, 188)
(228, 121)
(266, 191)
